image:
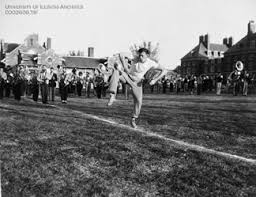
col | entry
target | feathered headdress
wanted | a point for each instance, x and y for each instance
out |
(153, 51)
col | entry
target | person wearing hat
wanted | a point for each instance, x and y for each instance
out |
(134, 77)
(236, 76)
(73, 81)
(8, 84)
(43, 78)
(79, 83)
(65, 80)
(246, 80)
(18, 79)
(98, 83)
(52, 84)
(219, 81)
(34, 86)
(88, 83)
(3, 78)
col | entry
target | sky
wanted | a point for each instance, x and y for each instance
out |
(112, 26)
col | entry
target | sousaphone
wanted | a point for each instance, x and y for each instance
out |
(239, 66)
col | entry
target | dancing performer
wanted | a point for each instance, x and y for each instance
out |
(134, 77)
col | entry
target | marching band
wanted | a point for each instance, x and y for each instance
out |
(44, 81)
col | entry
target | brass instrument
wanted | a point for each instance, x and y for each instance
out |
(236, 75)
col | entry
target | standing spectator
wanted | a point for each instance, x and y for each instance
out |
(199, 85)
(59, 73)
(64, 82)
(164, 83)
(171, 85)
(178, 85)
(43, 78)
(195, 85)
(98, 83)
(17, 82)
(191, 84)
(3, 78)
(52, 84)
(210, 84)
(8, 84)
(235, 79)
(246, 80)
(219, 81)
(34, 86)
(79, 83)
(88, 84)
(186, 84)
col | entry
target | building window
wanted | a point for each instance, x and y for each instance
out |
(212, 68)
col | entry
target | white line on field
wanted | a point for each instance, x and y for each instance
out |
(149, 133)
(179, 142)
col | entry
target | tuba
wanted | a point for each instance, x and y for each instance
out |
(239, 66)
(235, 76)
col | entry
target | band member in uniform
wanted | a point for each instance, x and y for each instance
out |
(18, 78)
(52, 84)
(246, 80)
(73, 80)
(219, 80)
(3, 78)
(43, 78)
(98, 83)
(79, 83)
(34, 86)
(88, 83)
(65, 80)
(134, 77)
(106, 72)
(236, 76)
(8, 84)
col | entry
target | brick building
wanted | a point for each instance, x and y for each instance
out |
(244, 50)
(205, 58)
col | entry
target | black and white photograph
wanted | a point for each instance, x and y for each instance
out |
(128, 98)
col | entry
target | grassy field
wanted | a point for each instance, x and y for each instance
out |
(59, 151)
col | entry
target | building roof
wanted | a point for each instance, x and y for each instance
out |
(218, 47)
(200, 51)
(8, 47)
(82, 62)
(242, 44)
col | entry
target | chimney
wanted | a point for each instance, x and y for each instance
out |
(207, 41)
(90, 52)
(225, 41)
(201, 39)
(251, 27)
(49, 43)
(230, 41)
